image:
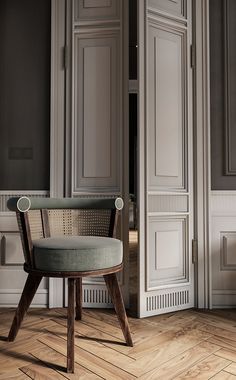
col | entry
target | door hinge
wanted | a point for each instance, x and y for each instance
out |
(192, 56)
(194, 251)
(65, 57)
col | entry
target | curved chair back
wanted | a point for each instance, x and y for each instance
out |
(39, 218)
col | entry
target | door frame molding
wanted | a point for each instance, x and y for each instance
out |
(202, 151)
(58, 33)
(57, 122)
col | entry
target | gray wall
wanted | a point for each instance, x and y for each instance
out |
(25, 94)
(223, 93)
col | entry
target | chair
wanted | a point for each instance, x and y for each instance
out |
(70, 238)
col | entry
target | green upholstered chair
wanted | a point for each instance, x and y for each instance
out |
(70, 238)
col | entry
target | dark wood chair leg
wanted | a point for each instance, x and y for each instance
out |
(70, 325)
(117, 299)
(79, 298)
(30, 288)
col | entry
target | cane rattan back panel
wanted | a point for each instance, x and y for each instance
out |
(35, 224)
(79, 222)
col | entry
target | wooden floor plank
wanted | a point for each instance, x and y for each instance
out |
(14, 375)
(223, 342)
(19, 355)
(172, 368)
(222, 375)
(96, 348)
(218, 331)
(41, 371)
(217, 322)
(166, 338)
(183, 345)
(88, 360)
(117, 344)
(165, 351)
(227, 354)
(205, 369)
(58, 363)
(231, 369)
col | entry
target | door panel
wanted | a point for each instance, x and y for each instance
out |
(166, 91)
(97, 128)
(99, 135)
(166, 269)
(96, 10)
(175, 7)
(168, 254)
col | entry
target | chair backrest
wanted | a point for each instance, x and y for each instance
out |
(49, 217)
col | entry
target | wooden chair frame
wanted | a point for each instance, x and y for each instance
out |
(74, 284)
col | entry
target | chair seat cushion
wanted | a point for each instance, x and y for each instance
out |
(77, 253)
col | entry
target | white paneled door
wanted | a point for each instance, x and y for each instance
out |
(99, 130)
(166, 168)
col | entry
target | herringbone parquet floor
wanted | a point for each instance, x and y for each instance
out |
(184, 345)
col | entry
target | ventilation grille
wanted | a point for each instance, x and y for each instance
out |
(96, 296)
(164, 301)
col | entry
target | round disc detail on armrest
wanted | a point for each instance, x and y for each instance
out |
(119, 203)
(23, 204)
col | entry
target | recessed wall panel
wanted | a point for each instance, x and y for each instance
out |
(168, 203)
(167, 69)
(174, 7)
(11, 249)
(97, 3)
(223, 245)
(227, 251)
(97, 112)
(95, 10)
(97, 128)
(166, 109)
(168, 253)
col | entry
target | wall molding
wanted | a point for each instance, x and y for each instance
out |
(223, 202)
(57, 161)
(59, 119)
(202, 151)
(11, 297)
(96, 10)
(224, 298)
(176, 38)
(167, 8)
(226, 262)
(97, 182)
(228, 124)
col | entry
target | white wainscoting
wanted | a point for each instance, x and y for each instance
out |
(223, 248)
(12, 275)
